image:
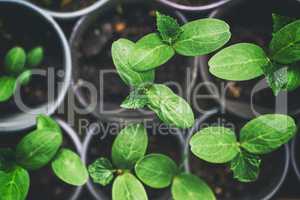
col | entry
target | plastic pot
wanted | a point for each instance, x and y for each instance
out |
(91, 45)
(73, 14)
(98, 143)
(220, 178)
(196, 6)
(248, 98)
(43, 183)
(44, 94)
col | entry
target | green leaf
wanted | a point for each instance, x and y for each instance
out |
(45, 122)
(280, 21)
(276, 77)
(129, 146)
(202, 36)
(7, 88)
(15, 60)
(69, 168)
(169, 107)
(190, 187)
(25, 77)
(127, 187)
(215, 144)
(239, 62)
(168, 28)
(266, 133)
(136, 99)
(293, 77)
(285, 45)
(35, 57)
(245, 167)
(14, 184)
(121, 51)
(101, 171)
(150, 52)
(37, 148)
(7, 159)
(156, 170)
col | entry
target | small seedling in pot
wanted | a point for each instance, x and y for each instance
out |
(246, 61)
(136, 62)
(36, 150)
(130, 166)
(260, 136)
(17, 70)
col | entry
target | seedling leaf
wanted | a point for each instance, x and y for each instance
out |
(266, 133)
(25, 77)
(7, 87)
(45, 122)
(129, 146)
(136, 99)
(15, 60)
(127, 187)
(69, 168)
(156, 170)
(190, 187)
(35, 57)
(202, 36)
(215, 144)
(101, 171)
(280, 21)
(239, 62)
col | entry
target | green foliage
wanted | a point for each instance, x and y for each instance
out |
(136, 99)
(69, 168)
(14, 184)
(35, 57)
(280, 21)
(15, 60)
(245, 167)
(239, 62)
(150, 52)
(190, 187)
(129, 146)
(202, 36)
(7, 87)
(101, 171)
(25, 77)
(261, 135)
(45, 122)
(127, 187)
(168, 28)
(156, 170)
(215, 144)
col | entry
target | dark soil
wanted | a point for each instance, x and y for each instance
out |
(194, 2)
(43, 183)
(27, 35)
(257, 29)
(64, 5)
(161, 140)
(93, 53)
(220, 177)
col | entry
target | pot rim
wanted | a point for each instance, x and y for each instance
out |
(287, 158)
(293, 158)
(79, 28)
(75, 14)
(207, 7)
(25, 122)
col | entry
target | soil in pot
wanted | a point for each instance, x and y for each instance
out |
(27, 35)
(92, 53)
(43, 183)
(220, 177)
(257, 29)
(161, 140)
(194, 2)
(64, 5)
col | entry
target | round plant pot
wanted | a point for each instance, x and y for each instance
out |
(220, 177)
(43, 183)
(295, 156)
(71, 11)
(249, 98)
(98, 143)
(50, 82)
(195, 5)
(97, 85)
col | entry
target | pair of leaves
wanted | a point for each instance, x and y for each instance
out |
(15, 61)
(261, 135)
(195, 38)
